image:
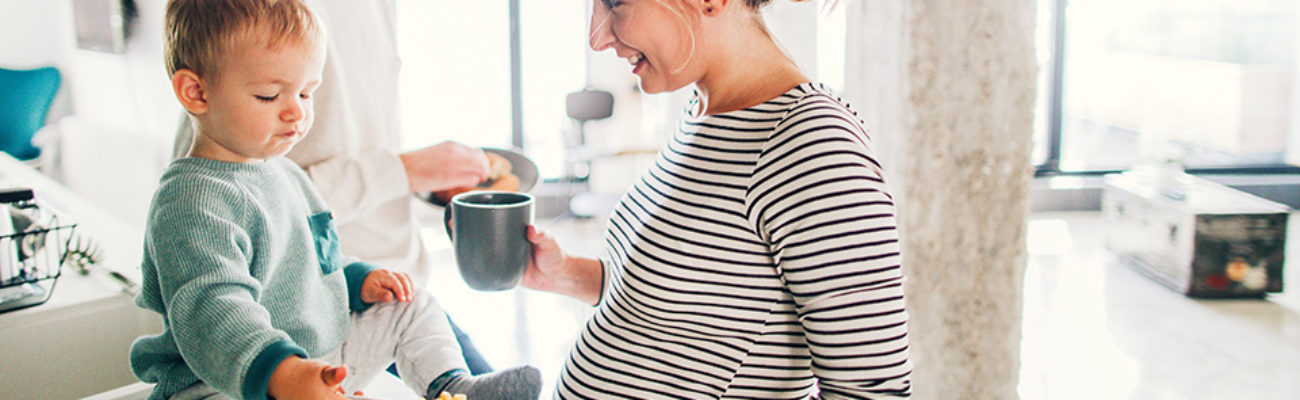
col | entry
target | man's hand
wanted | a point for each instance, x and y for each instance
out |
(298, 378)
(383, 285)
(446, 165)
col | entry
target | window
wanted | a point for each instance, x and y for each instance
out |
(553, 47)
(455, 82)
(1206, 82)
(456, 73)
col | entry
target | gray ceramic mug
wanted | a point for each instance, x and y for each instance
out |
(489, 232)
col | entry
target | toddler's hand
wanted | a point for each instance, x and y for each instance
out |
(298, 378)
(382, 286)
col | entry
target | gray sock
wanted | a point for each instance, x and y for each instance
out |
(519, 383)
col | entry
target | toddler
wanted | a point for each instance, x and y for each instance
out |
(241, 257)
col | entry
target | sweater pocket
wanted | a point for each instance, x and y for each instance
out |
(326, 238)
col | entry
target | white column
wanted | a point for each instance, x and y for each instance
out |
(947, 89)
(33, 33)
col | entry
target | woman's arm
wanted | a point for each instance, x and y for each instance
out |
(821, 202)
(553, 271)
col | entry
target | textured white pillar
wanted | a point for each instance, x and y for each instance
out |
(947, 89)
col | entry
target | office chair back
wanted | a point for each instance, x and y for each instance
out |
(589, 104)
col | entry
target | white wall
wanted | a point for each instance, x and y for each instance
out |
(794, 25)
(20, 20)
(120, 115)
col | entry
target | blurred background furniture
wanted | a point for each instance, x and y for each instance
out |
(1206, 240)
(25, 99)
(584, 106)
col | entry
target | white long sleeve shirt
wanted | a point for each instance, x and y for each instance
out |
(351, 152)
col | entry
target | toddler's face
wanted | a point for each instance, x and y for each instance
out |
(260, 102)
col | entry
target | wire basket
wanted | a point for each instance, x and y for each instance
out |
(30, 264)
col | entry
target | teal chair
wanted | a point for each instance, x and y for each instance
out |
(25, 98)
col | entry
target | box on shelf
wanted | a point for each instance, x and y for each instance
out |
(1201, 239)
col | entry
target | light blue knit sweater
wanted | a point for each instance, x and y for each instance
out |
(242, 262)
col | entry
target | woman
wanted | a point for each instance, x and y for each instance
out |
(758, 257)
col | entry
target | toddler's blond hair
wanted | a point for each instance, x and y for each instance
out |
(197, 32)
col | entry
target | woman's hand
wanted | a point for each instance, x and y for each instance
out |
(551, 270)
(299, 378)
(445, 165)
(384, 285)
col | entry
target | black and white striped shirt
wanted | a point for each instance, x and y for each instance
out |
(757, 259)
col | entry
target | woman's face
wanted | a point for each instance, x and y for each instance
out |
(656, 37)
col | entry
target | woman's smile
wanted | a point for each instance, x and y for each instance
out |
(637, 60)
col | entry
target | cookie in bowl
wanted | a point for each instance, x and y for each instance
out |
(499, 178)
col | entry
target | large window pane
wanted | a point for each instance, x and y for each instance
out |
(455, 82)
(553, 40)
(1207, 81)
(456, 73)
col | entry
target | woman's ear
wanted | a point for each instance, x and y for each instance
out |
(191, 91)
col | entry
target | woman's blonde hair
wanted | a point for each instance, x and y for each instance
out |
(196, 32)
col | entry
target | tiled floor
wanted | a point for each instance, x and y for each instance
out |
(1093, 329)
(1096, 329)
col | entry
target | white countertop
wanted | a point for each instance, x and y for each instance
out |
(75, 344)
(120, 243)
